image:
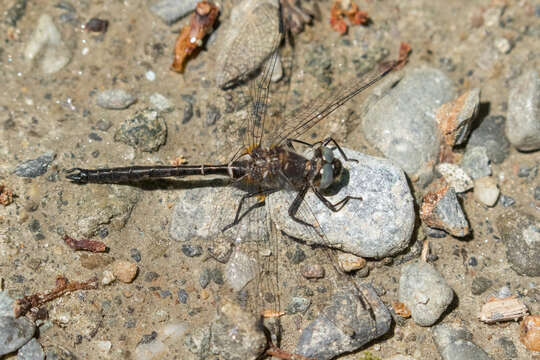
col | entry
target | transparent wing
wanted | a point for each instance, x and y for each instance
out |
(299, 121)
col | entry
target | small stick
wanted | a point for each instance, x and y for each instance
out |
(85, 244)
(63, 286)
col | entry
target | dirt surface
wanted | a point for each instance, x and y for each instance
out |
(58, 113)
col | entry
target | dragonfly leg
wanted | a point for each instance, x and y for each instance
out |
(293, 209)
(337, 206)
(331, 140)
(290, 142)
(238, 215)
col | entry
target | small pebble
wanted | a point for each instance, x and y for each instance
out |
(124, 271)
(115, 99)
(135, 254)
(191, 250)
(36, 167)
(97, 25)
(490, 134)
(486, 191)
(172, 10)
(103, 346)
(507, 201)
(298, 305)
(350, 262)
(150, 75)
(312, 271)
(108, 277)
(456, 177)
(480, 284)
(182, 296)
(145, 131)
(150, 276)
(47, 47)
(160, 102)
(204, 294)
(475, 162)
(537, 193)
(503, 45)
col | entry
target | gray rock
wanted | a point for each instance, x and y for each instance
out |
(480, 284)
(191, 250)
(456, 118)
(15, 12)
(537, 193)
(507, 201)
(486, 190)
(490, 134)
(441, 210)
(508, 347)
(115, 99)
(46, 46)
(252, 35)
(446, 334)
(523, 124)
(201, 214)
(160, 102)
(298, 305)
(172, 10)
(6, 304)
(36, 167)
(32, 350)
(425, 292)
(114, 212)
(56, 352)
(400, 120)
(14, 333)
(146, 131)
(520, 233)
(235, 334)
(455, 176)
(454, 343)
(379, 225)
(464, 350)
(345, 324)
(475, 162)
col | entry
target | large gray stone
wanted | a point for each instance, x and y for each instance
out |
(345, 324)
(400, 121)
(425, 292)
(377, 226)
(14, 333)
(523, 124)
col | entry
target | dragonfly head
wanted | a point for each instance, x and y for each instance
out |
(331, 168)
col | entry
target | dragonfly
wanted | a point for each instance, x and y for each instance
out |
(266, 161)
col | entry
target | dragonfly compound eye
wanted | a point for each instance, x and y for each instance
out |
(327, 155)
(327, 176)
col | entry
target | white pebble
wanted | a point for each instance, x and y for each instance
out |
(503, 45)
(108, 277)
(150, 75)
(455, 176)
(486, 191)
(103, 346)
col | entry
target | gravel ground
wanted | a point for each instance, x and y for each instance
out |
(76, 98)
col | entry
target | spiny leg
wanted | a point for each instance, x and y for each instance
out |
(331, 140)
(239, 217)
(337, 206)
(293, 209)
(323, 143)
